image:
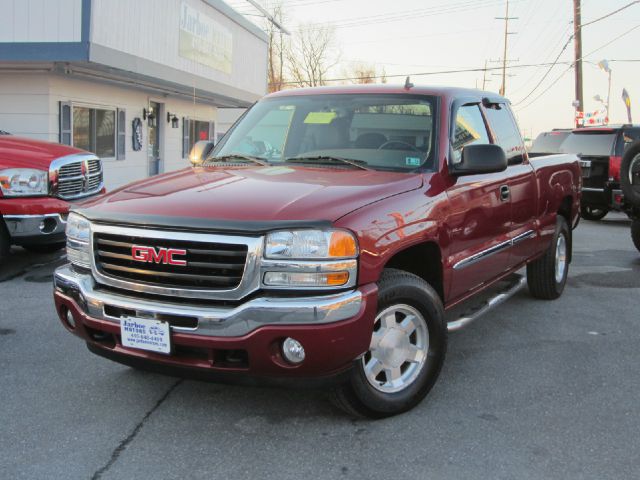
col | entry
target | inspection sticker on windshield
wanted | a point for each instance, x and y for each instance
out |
(412, 161)
(320, 117)
(145, 334)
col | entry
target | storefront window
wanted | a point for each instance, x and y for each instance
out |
(199, 130)
(94, 130)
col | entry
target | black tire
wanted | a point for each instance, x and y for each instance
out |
(358, 397)
(631, 191)
(589, 212)
(5, 241)
(635, 233)
(44, 248)
(541, 273)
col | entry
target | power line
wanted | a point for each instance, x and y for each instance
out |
(553, 64)
(420, 74)
(573, 63)
(610, 13)
(441, 9)
(445, 72)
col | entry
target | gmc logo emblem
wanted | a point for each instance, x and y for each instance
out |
(159, 255)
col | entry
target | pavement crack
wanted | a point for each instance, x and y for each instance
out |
(122, 446)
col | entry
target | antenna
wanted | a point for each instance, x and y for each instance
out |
(407, 83)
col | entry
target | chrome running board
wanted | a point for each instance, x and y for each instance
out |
(488, 304)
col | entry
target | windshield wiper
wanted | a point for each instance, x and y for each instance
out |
(236, 156)
(328, 159)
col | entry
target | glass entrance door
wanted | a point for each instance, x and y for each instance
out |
(153, 149)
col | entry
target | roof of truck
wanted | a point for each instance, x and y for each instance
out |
(389, 89)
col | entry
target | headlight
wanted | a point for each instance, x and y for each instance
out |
(78, 240)
(20, 182)
(310, 245)
(310, 259)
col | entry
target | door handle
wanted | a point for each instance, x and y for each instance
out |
(505, 193)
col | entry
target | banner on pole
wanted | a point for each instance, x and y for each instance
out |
(627, 101)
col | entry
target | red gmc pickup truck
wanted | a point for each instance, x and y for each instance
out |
(322, 241)
(37, 182)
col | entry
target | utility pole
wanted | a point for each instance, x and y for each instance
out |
(484, 75)
(506, 19)
(577, 43)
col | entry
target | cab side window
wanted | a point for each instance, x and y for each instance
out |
(506, 131)
(469, 129)
(628, 137)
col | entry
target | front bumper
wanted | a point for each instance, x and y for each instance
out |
(610, 197)
(333, 329)
(47, 228)
(34, 220)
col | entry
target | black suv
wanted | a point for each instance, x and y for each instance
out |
(630, 180)
(600, 150)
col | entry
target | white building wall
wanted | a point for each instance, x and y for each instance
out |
(116, 24)
(29, 106)
(24, 105)
(40, 20)
(135, 166)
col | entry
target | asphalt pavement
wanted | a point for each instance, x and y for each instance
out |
(533, 390)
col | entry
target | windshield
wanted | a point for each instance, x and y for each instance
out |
(593, 143)
(381, 132)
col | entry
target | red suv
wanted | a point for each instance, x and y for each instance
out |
(38, 182)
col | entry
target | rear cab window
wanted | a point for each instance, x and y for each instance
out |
(626, 138)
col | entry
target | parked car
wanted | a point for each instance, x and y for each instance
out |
(548, 143)
(38, 183)
(322, 241)
(630, 180)
(600, 150)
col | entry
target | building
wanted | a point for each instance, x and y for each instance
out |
(135, 81)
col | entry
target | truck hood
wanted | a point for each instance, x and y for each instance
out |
(209, 197)
(18, 152)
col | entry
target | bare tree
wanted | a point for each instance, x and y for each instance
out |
(276, 54)
(363, 73)
(311, 54)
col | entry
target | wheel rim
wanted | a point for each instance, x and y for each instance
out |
(634, 170)
(398, 349)
(561, 258)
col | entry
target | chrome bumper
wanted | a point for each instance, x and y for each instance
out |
(213, 320)
(35, 225)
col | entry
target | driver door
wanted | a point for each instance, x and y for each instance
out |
(480, 220)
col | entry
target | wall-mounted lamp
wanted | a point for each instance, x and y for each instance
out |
(171, 117)
(149, 116)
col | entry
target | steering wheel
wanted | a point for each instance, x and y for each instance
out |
(399, 143)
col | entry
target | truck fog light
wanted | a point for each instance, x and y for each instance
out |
(293, 350)
(70, 319)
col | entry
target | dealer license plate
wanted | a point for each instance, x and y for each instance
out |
(145, 334)
(585, 165)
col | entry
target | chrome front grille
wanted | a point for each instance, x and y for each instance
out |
(76, 176)
(208, 266)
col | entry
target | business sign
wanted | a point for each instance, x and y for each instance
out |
(204, 40)
(596, 118)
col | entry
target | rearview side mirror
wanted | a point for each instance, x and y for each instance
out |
(200, 151)
(477, 159)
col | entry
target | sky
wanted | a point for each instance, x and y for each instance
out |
(427, 36)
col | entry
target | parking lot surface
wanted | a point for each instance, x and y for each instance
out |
(534, 390)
